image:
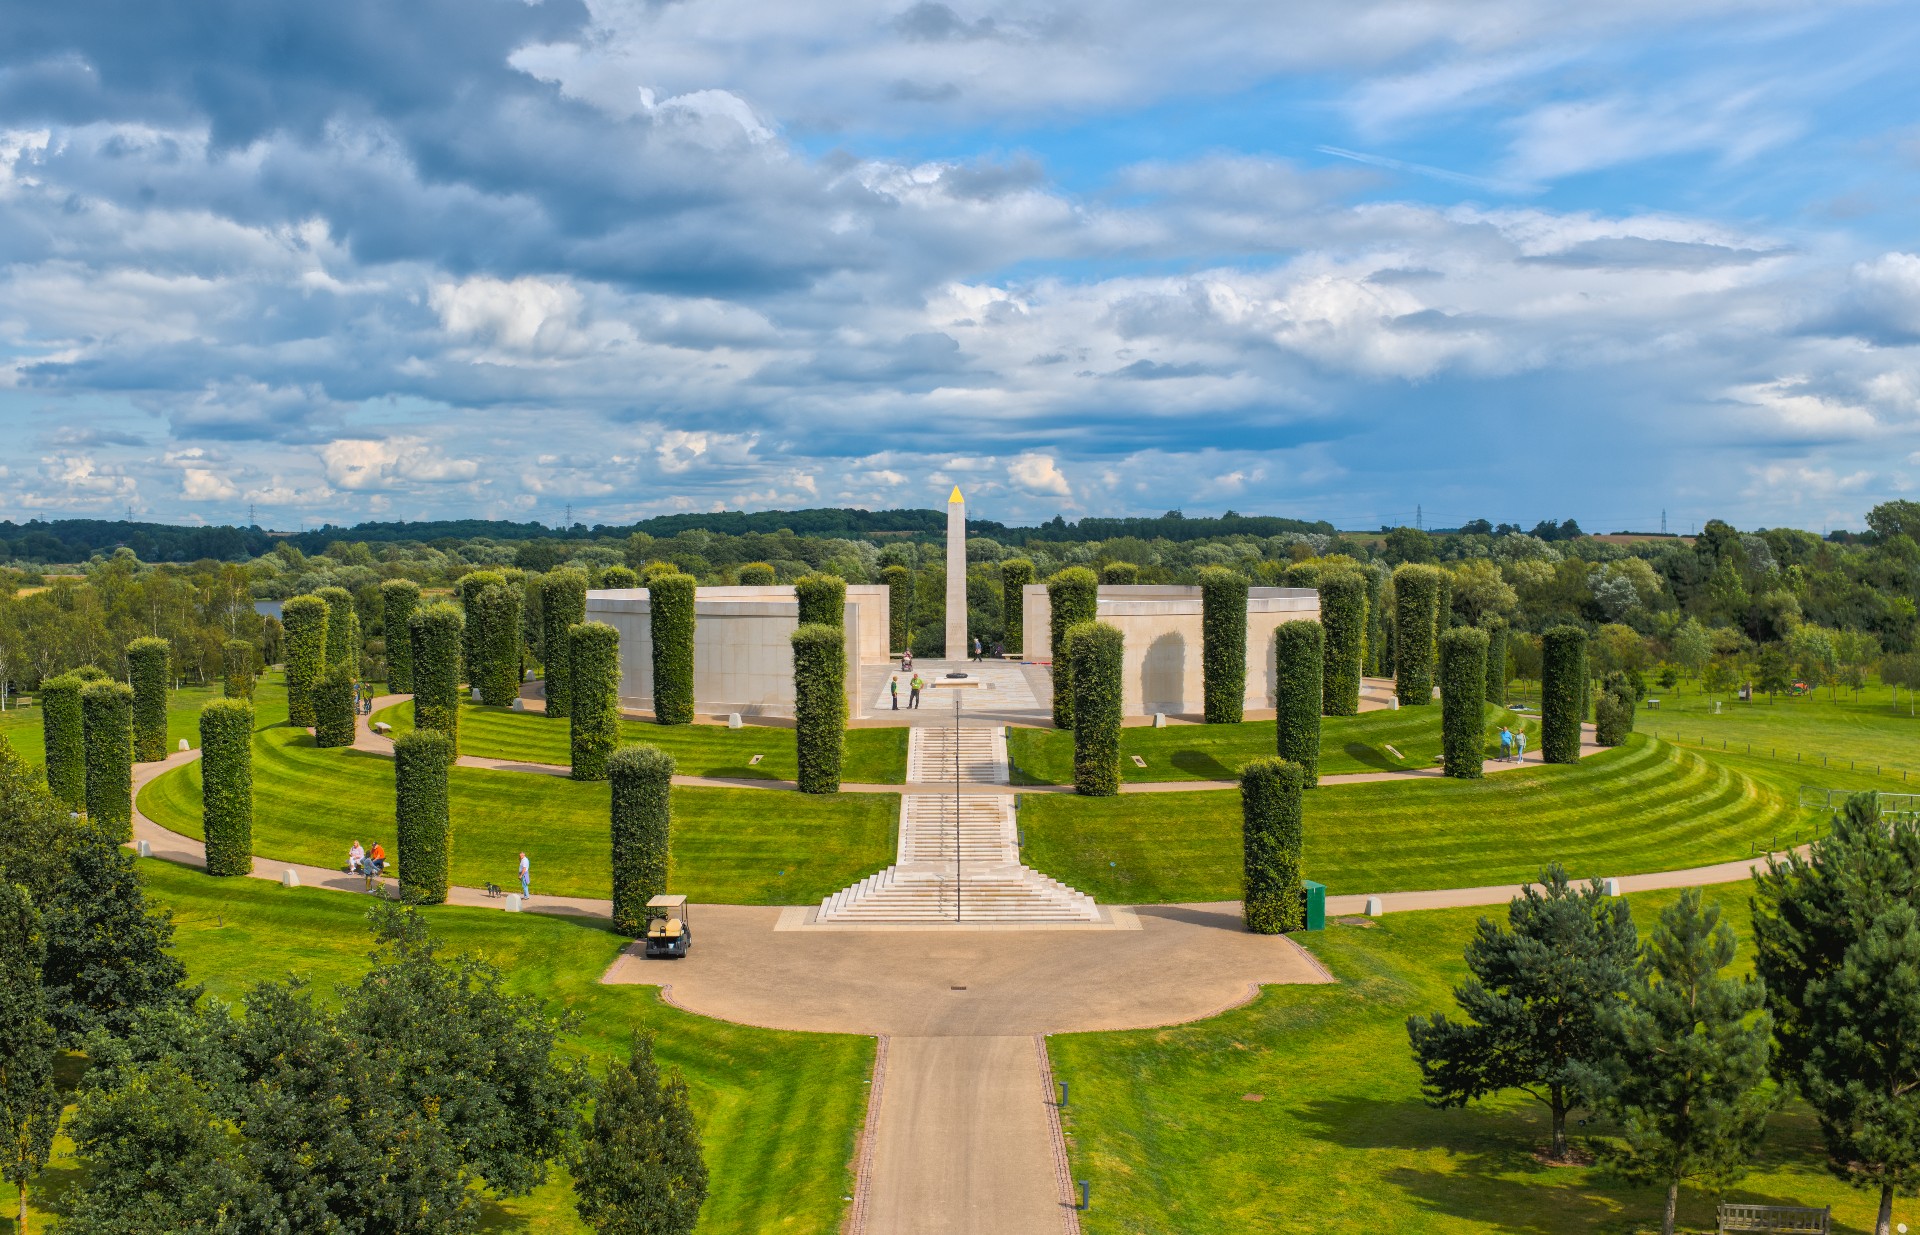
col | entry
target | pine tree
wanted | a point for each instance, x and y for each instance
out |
(108, 955)
(29, 1103)
(637, 1170)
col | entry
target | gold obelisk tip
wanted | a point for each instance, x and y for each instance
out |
(956, 496)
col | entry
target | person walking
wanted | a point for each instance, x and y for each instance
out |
(526, 875)
(893, 690)
(1519, 745)
(976, 648)
(1506, 742)
(906, 662)
(913, 699)
(999, 650)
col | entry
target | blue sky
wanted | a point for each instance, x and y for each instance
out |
(1343, 260)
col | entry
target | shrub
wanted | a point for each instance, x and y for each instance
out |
(333, 707)
(1015, 574)
(1416, 598)
(64, 736)
(823, 599)
(595, 716)
(1563, 676)
(1274, 899)
(495, 668)
(1613, 711)
(672, 621)
(1223, 645)
(1095, 651)
(398, 599)
(756, 574)
(1074, 595)
(563, 605)
(226, 785)
(343, 628)
(618, 579)
(473, 639)
(1496, 628)
(305, 618)
(819, 704)
(435, 633)
(642, 826)
(236, 665)
(1379, 643)
(1303, 574)
(423, 827)
(1299, 680)
(1119, 574)
(1463, 701)
(1343, 612)
(899, 581)
(147, 672)
(106, 711)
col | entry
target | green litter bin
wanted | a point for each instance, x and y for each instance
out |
(1315, 894)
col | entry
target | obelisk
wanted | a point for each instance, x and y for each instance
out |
(957, 576)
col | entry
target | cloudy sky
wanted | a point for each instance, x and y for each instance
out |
(1330, 258)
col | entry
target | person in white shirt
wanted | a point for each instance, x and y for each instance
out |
(526, 875)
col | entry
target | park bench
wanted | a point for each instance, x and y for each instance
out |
(1788, 1219)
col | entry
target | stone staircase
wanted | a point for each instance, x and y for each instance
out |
(993, 887)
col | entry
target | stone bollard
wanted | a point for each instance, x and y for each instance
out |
(733, 720)
(1159, 720)
(1610, 886)
(143, 848)
(519, 704)
(1373, 907)
(1393, 704)
(290, 878)
(513, 902)
(476, 694)
(183, 744)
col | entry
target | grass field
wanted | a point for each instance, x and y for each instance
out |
(1159, 1121)
(1217, 752)
(1832, 733)
(22, 727)
(778, 1112)
(873, 756)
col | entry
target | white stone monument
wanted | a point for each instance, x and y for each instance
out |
(957, 648)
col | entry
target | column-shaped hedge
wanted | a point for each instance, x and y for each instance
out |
(1380, 606)
(819, 704)
(899, 581)
(423, 827)
(594, 720)
(473, 638)
(1015, 574)
(1563, 674)
(1463, 701)
(1416, 598)
(495, 664)
(563, 605)
(226, 785)
(756, 574)
(1303, 575)
(642, 827)
(305, 619)
(1343, 613)
(1223, 645)
(333, 708)
(1095, 650)
(1119, 574)
(236, 669)
(147, 673)
(64, 737)
(106, 710)
(435, 632)
(343, 628)
(1496, 628)
(1273, 899)
(398, 599)
(1073, 596)
(823, 599)
(1613, 709)
(619, 578)
(671, 622)
(1299, 681)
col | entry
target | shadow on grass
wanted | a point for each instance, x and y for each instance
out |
(1370, 756)
(1202, 765)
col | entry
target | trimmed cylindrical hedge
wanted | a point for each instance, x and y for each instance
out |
(343, 628)
(1496, 628)
(823, 599)
(305, 619)
(1273, 899)
(899, 581)
(671, 621)
(147, 673)
(594, 721)
(756, 574)
(1613, 709)
(496, 669)
(1015, 574)
(1463, 701)
(226, 785)
(1119, 574)
(398, 599)
(1223, 645)
(106, 710)
(819, 704)
(642, 827)
(1073, 595)
(333, 708)
(1416, 599)
(436, 632)
(1379, 659)
(1096, 651)
(1563, 675)
(473, 636)
(563, 605)
(1343, 613)
(236, 668)
(1302, 574)
(619, 578)
(423, 827)
(63, 734)
(1299, 679)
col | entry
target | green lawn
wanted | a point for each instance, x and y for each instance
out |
(1869, 732)
(1160, 1125)
(736, 846)
(873, 756)
(778, 1112)
(1217, 752)
(22, 727)
(1645, 806)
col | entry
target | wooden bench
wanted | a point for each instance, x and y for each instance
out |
(1791, 1219)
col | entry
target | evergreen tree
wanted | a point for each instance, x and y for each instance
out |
(108, 955)
(637, 1170)
(1538, 1002)
(29, 1103)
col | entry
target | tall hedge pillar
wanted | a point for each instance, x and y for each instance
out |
(305, 619)
(1272, 899)
(106, 710)
(1073, 597)
(398, 599)
(819, 704)
(1015, 574)
(1096, 651)
(671, 621)
(563, 605)
(899, 581)
(642, 827)
(343, 628)
(1463, 701)
(1223, 645)
(1563, 675)
(823, 599)
(1299, 682)
(64, 737)
(1343, 614)
(473, 638)
(147, 673)
(756, 574)
(1416, 598)
(236, 669)
(594, 721)
(1496, 628)
(436, 632)
(333, 709)
(423, 827)
(495, 669)
(226, 785)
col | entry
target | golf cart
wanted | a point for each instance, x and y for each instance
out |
(667, 930)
